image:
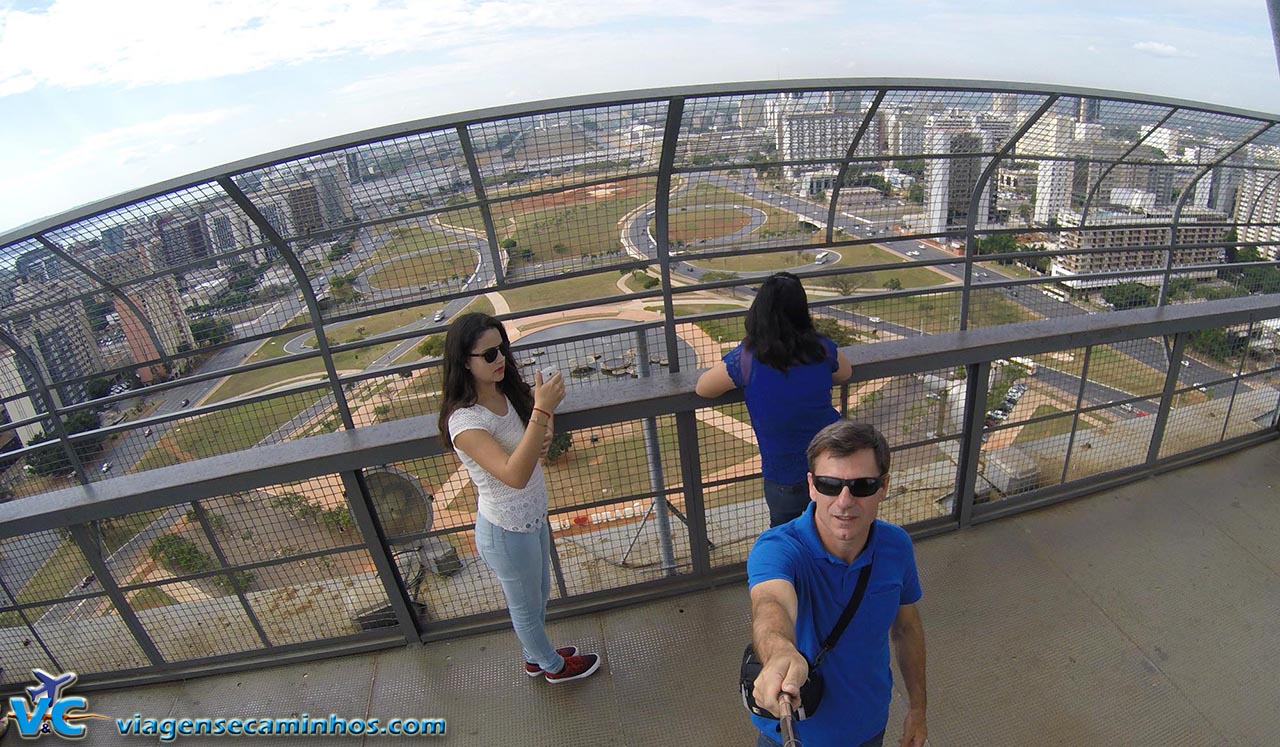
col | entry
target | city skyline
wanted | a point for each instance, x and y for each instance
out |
(101, 102)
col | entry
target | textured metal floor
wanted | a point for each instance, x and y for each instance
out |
(1141, 616)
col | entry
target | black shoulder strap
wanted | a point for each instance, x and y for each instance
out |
(850, 610)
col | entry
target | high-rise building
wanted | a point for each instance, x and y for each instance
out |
(820, 135)
(751, 112)
(1089, 111)
(1005, 105)
(17, 396)
(1053, 190)
(1258, 202)
(60, 337)
(952, 178)
(183, 239)
(113, 240)
(1136, 241)
(158, 300)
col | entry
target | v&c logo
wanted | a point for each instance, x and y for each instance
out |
(46, 711)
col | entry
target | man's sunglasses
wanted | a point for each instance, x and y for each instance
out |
(489, 354)
(859, 487)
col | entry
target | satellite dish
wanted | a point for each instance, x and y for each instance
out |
(401, 504)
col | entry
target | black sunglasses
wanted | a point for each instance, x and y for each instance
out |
(489, 354)
(859, 487)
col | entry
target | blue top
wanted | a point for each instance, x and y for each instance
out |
(787, 408)
(856, 675)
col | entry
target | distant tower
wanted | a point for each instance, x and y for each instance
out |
(1090, 110)
(1005, 105)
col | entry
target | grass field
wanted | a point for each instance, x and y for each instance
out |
(409, 239)
(1047, 428)
(562, 291)
(225, 431)
(420, 269)
(707, 223)
(937, 313)
(1111, 368)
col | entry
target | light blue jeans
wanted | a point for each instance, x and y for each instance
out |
(522, 563)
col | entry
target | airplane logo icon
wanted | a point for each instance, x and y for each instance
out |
(50, 686)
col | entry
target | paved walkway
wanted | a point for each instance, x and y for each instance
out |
(1139, 616)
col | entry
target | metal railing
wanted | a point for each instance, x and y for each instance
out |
(220, 388)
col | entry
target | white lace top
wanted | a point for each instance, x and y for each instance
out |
(514, 509)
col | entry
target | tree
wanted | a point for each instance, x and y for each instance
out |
(559, 248)
(893, 283)
(97, 388)
(1129, 295)
(916, 193)
(833, 330)
(52, 459)
(210, 331)
(846, 284)
(560, 443)
(508, 243)
(431, 346)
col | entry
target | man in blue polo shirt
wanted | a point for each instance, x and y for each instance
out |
(803, 573)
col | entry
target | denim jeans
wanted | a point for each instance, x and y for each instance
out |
(786, 501)
(522, 563)
(764, 741)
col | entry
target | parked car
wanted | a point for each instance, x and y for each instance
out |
(184, 403)
(106, 467)
(147, 433)
(874, 319)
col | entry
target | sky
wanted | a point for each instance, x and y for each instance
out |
(99, 97)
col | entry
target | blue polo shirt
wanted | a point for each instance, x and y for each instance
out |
(787, 406)
(856, 674)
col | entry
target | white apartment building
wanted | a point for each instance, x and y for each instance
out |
(1258, 201)
(1140, 241)
(950, 181)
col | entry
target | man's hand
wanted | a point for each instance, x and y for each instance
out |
(913, 730)
(785, 671)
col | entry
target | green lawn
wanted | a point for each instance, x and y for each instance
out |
(576, 223)
(562, 291)
(64, 569)
(409, 239)
(420, 269)
(1045, 429)
(225, 431)
(1111, 368)
(378, 324)
(708, 223)
(938, 313)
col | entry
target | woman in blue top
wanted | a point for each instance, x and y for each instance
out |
(786, 370)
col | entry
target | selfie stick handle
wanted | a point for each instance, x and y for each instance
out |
(788, 727)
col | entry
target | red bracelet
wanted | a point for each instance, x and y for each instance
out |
(544, 412)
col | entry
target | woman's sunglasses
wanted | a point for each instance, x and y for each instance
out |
(489, 354)
(859, 487)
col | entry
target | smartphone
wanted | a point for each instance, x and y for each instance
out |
(548, 372)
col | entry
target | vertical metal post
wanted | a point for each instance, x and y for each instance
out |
(1166, 398)
(694, 506)
(250, 210)
(653, 452)
(477, 185)
(661, 215)
(848, 156)
(1075, 416)
(556, 569)
(84, 540)
(975, 397)
(202, 518)
(375, 541)
(13, 599)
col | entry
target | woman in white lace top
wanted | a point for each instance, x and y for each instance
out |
(500, 428)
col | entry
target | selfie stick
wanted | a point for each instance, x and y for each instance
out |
(788, 728)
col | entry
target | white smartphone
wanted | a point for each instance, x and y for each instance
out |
(548, 372)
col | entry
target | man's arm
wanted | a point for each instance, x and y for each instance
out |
(773, 633)
(908, 642)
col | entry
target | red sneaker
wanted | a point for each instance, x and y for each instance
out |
(575, 668)
(533, 670)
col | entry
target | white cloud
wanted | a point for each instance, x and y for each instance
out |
(75, 43)
(1159, 49)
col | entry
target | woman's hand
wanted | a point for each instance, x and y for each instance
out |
(547, 395)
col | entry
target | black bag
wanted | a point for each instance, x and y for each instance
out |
(812, 689)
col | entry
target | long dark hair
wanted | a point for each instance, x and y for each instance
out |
(780, 331)
(460, 388)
